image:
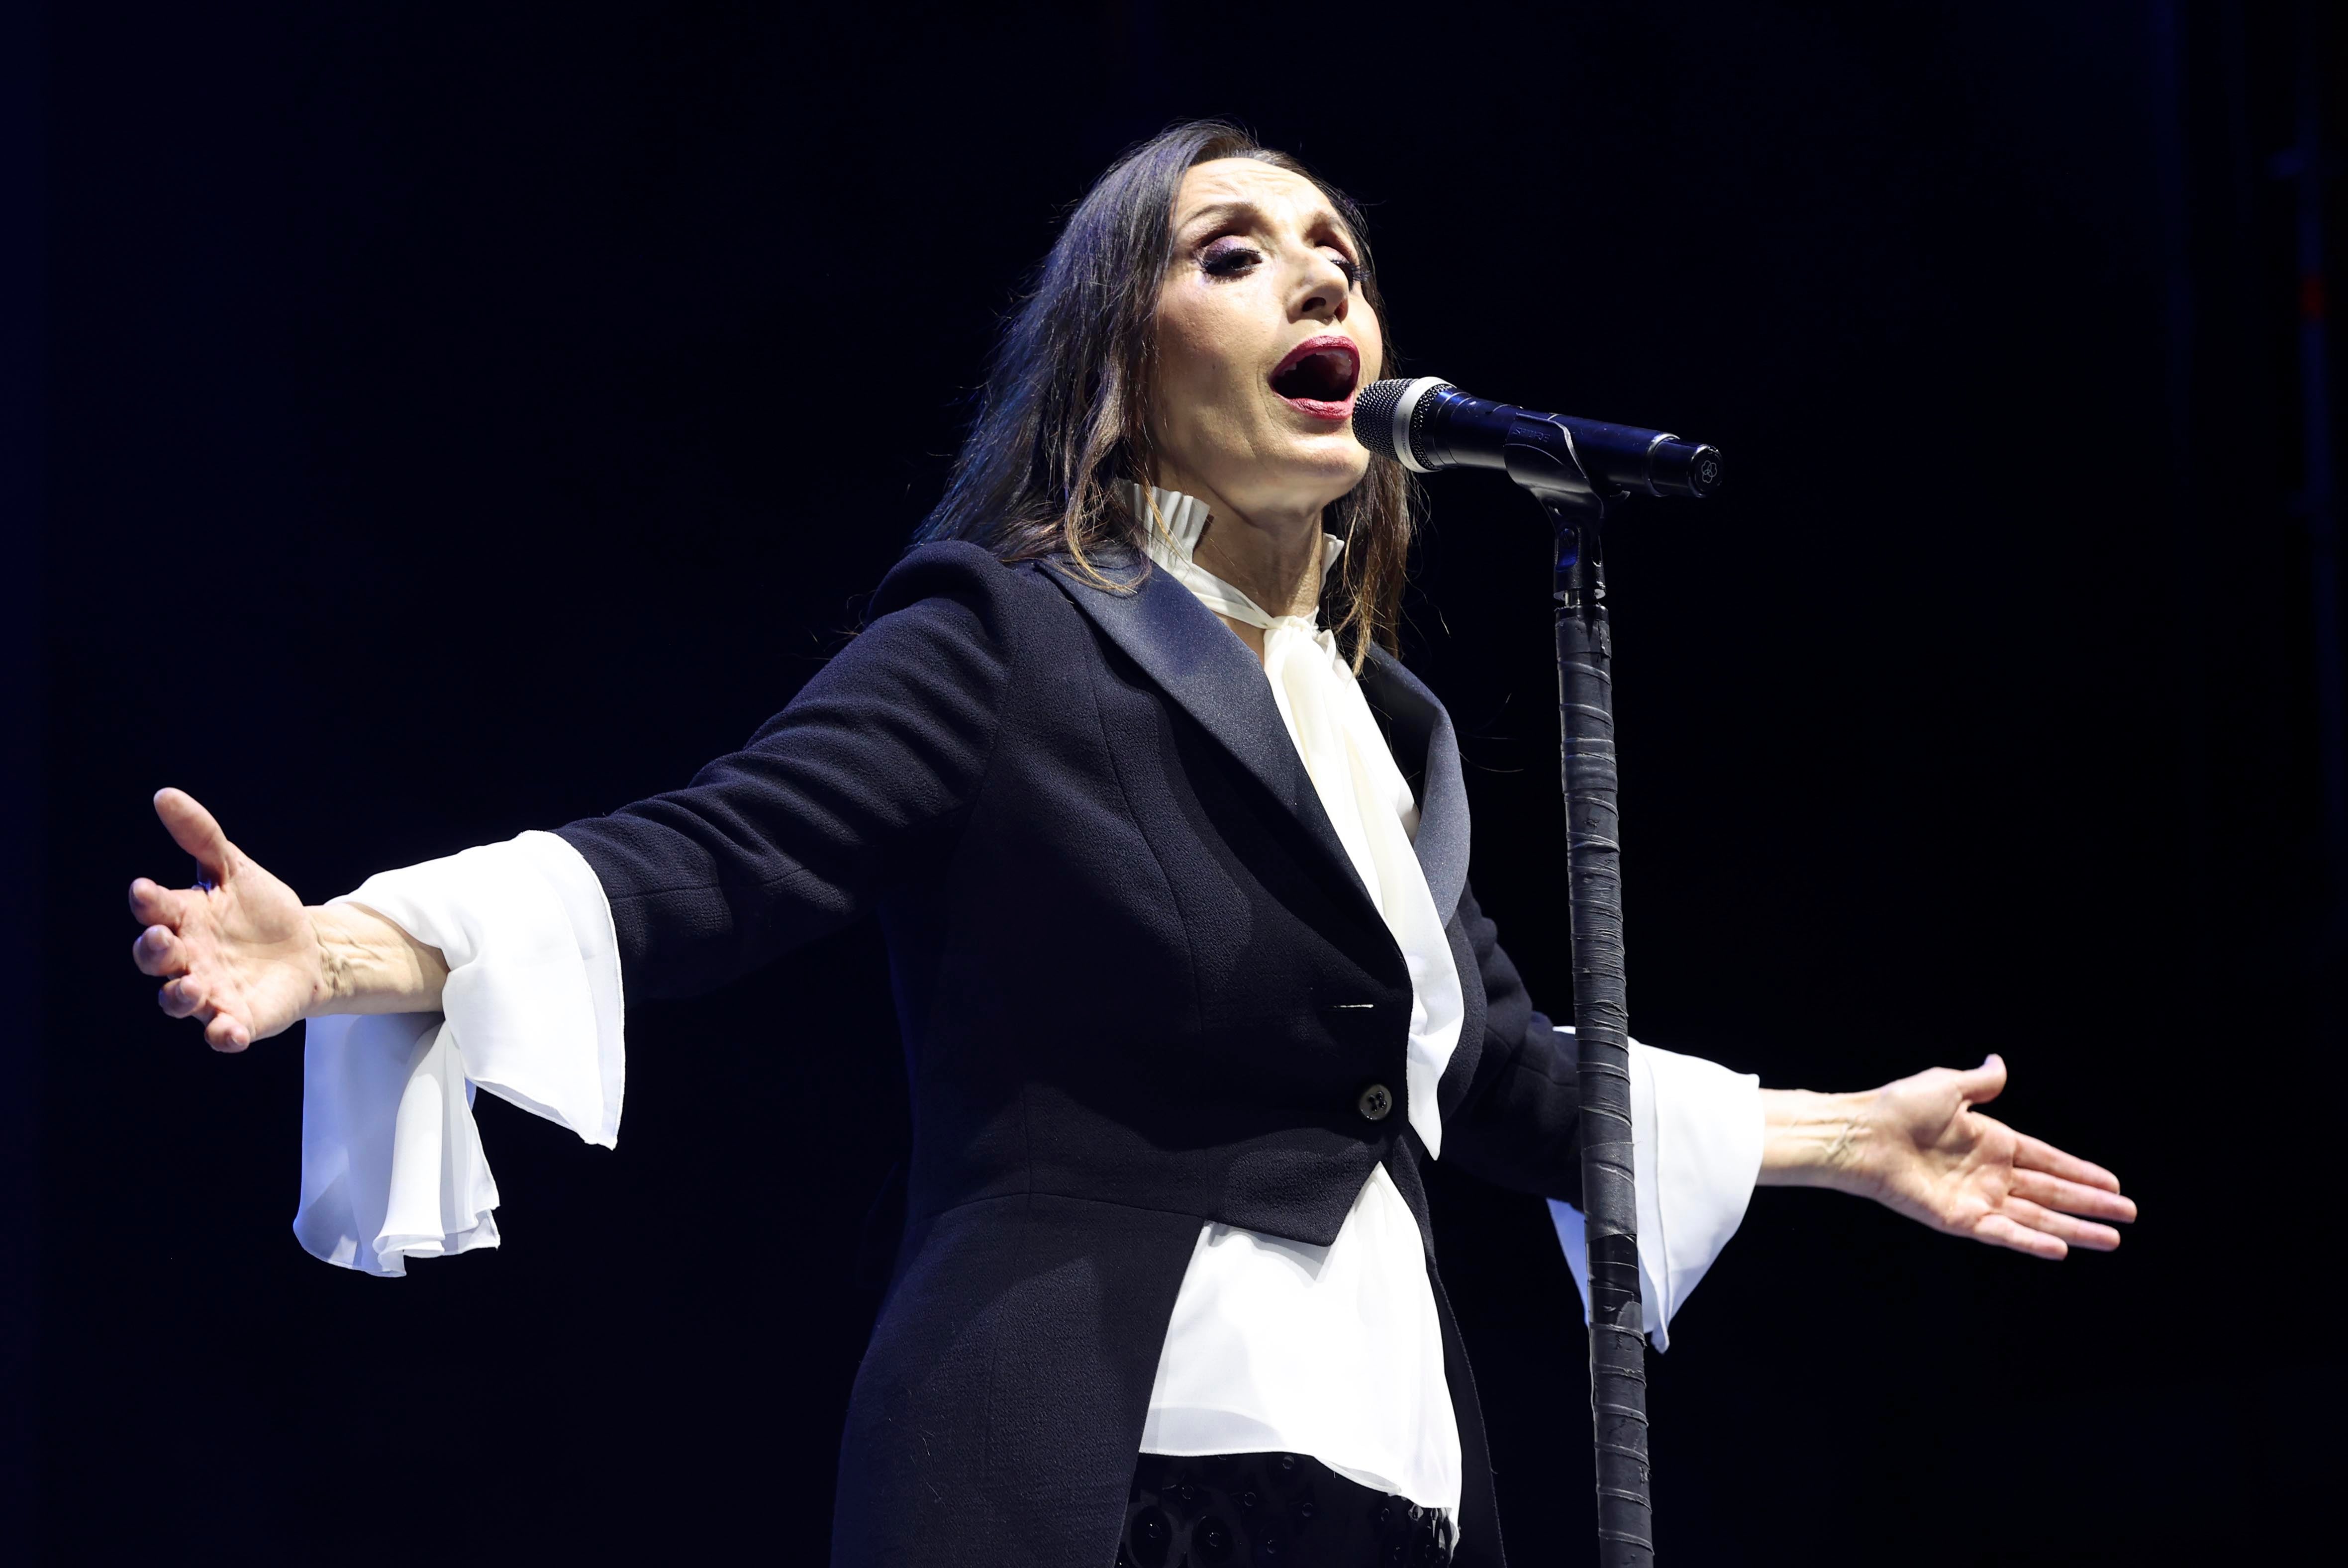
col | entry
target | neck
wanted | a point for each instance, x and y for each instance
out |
(1272, 557)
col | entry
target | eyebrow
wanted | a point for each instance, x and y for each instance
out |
(1241, 207)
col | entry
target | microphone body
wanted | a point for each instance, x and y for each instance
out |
(1428, 424)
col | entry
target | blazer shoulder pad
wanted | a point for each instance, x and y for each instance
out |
(953, 569)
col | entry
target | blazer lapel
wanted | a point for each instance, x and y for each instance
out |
(1423, 733)
(1180, 644)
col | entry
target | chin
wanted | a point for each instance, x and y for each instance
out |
(1337, 463)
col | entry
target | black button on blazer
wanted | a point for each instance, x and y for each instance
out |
(1140, 988)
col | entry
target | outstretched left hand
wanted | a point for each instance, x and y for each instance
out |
(1919, 1147)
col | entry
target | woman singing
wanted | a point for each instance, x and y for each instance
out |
(1170, 852)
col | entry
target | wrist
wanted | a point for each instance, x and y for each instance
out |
(333, 983)
(1816, 1139)
(367, 963)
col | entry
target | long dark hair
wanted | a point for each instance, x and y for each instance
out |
(1065, 412)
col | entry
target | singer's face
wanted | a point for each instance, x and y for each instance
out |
(1263, 339)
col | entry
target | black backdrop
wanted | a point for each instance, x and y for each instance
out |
(461, 420)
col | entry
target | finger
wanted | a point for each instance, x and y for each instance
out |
(183, 998)
(193, 830)
(2062, 1227)
(158, 952)
(1984, 1083)
(2071, 1197)
(226, 1033)
(154, 904)
(2037, 1154)
(1999, 1231)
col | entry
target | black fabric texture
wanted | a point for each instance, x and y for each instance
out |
(1271, 1511)
(1140, 988)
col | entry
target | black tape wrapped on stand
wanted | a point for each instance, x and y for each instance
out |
(1577, 469)
(1618, 1367)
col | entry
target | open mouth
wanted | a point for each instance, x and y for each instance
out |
(1319, 376)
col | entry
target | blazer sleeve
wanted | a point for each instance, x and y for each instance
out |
(1518, 1120)
(879, 756)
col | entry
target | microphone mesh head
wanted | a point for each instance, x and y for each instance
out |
(1374, 415)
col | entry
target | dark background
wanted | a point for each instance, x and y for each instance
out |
(427, 422)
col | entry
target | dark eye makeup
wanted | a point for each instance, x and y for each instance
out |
(1229, 256)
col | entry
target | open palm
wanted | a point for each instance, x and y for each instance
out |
(237, 951)
(1929, 1154)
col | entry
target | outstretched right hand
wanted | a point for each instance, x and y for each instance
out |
(237, 951)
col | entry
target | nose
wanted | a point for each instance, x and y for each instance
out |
(1326, 293)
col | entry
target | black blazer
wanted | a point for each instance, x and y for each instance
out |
(1140, 985)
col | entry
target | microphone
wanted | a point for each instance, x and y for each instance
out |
(1428, 424)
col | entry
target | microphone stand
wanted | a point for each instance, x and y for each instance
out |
(1610, 1204)
(1540, 457)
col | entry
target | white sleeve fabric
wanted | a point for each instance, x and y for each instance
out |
(1695, 1136)
(392, 1166)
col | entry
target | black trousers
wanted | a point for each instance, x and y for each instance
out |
(1280, 1510)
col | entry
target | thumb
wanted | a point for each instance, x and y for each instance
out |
(1984, 1083)
(194, 830)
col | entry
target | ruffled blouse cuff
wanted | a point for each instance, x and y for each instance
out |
(1695, 1133)
(392, 1165)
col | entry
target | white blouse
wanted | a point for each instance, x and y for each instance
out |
(1267, 1336)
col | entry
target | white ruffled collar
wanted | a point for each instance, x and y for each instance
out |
(1172, 524)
